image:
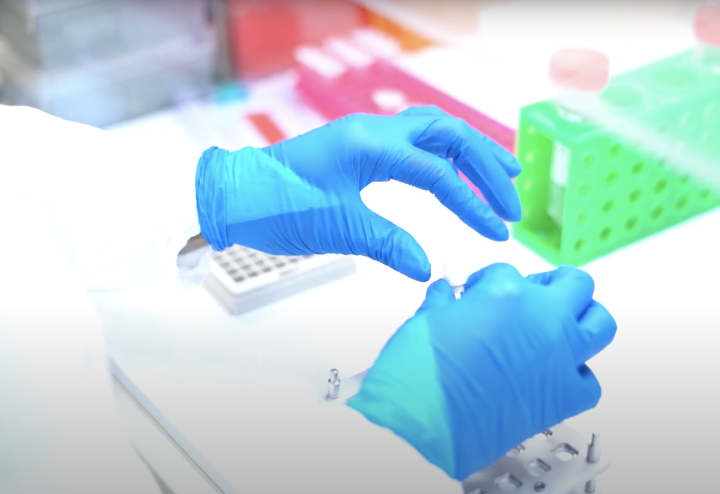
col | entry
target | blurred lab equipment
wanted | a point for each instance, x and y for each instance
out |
(610, 162)
(264, 33)
(103, 61)
(356, 73)
(439, 382)
(317, 208)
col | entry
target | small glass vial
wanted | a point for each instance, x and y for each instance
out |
(579, 76)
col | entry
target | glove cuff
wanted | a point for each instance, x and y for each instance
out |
(210, 197)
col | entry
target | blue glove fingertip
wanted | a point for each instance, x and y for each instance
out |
(417, 268)
(439, 294)
(510, 163)
(514, 208)
(498, 231)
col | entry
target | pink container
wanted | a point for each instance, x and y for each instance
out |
(353, 93)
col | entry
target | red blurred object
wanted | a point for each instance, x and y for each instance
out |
(267, 127)
(356, 92)
(707, 24)
(264, 33)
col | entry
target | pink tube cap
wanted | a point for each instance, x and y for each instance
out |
(580, 69)
(707, 24)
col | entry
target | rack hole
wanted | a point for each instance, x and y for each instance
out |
(530, 157)
(681, 203)
(624, 97)
(704, 194)
(656, 212)
(615, 150)
(579, 245)
(583, 190)
(611, 178)
(660, 186)
(580, 218)
(635, 196)
(605, 234)
(508, 483)
(538, 468)
(631, 223)
(673, 78)
(608, 206)
(527, 185)
(565, 452)
(638, 168)
(587, 160)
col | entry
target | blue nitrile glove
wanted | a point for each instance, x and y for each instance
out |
(302, 196)
(465, 381)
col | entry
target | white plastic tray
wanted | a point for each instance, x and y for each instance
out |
(243, 279)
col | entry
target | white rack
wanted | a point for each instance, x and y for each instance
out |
(552, 462)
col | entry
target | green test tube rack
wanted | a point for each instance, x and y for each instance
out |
(618, 188)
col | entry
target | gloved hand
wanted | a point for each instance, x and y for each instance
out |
(465, 381)
(302, 196)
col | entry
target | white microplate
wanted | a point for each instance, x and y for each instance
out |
(243, 279)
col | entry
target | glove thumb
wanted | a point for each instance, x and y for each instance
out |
(385, 242)
(439, 294)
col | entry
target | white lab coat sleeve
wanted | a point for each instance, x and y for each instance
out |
(60, 431)
(121, 207)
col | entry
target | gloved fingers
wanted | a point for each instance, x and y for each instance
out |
(439, 294)
(424, 111)
(425, 171)
(501, 274)
(595, 331)
(509, 162)
(590, 388)
(477, 157)
(543, 279)
(570, 286)
(389, 244)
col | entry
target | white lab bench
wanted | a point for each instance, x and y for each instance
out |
(659, 415)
